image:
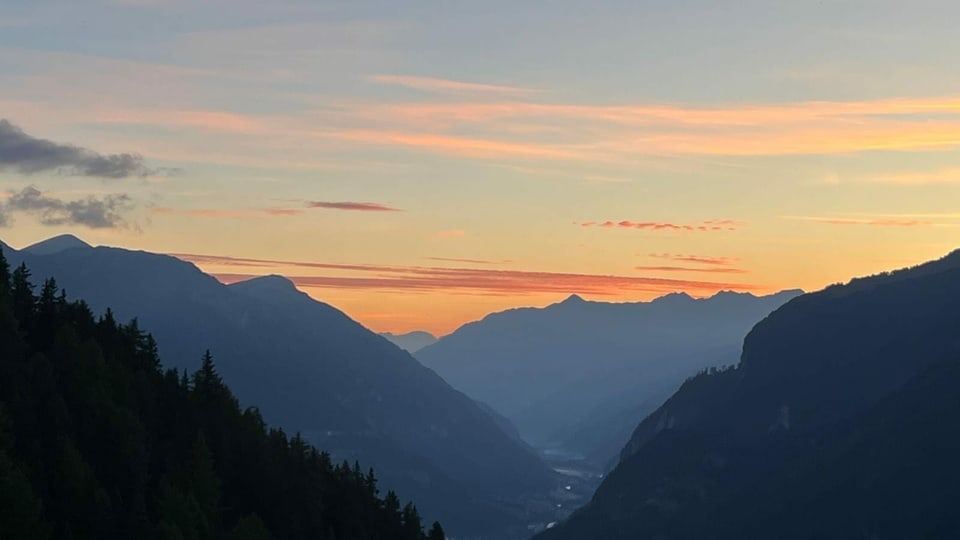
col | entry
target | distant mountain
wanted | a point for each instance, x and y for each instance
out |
(56, 245)
(574, 377)
(842, 420)
(311, 369)
(411, 341)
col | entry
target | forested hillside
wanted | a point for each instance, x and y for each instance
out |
(97, 440)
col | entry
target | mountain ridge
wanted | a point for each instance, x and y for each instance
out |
(820, 378)
(312, 369)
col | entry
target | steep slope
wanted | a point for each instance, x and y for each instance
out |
(311, 369)
(97, 441)
(840, 422)
(411, 341)
(574, 376)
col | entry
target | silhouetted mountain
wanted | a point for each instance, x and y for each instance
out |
(575, 376)
(56, 245)
(97, 441)
(842, 420)
(411, 341)
(312, 369)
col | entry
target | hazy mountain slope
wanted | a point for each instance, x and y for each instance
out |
(570, 375)
(411, 341)
(312, 369)
(840, 422)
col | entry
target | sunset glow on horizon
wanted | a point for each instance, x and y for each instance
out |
(419, 168)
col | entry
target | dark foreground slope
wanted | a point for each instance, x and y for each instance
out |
(97, 441)
(842, 421)
(575, 376)
(311, 369)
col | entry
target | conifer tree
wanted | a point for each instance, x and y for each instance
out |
(436, 532)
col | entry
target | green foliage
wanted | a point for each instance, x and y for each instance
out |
(97, 441)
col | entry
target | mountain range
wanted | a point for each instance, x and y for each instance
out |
(311, 369)
(575, 376)
(842, 420)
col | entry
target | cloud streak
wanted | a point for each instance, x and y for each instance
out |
(696, 259)
(448, 86)
(244, 213)
(704, 226)
(468, 261)
(225, 213)
(873, 222)
(707, 270)
(28, 155)
(93, 212)
(479, 281)
(351, 206)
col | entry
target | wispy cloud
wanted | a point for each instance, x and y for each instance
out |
(26, 154)
(354, 206)
(480, 281)
(942, 176)
(707, 270)
(279, 211)
(703, 226)
(448, 86)
(469, 261)
(94, 212)
(224, 213)
(875, 222)
(696, 259)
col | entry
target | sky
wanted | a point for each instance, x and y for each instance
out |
(421, 164)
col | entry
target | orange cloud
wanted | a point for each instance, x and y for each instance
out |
(480, 281)
(696, 259)
(709, 225)
(461, 146)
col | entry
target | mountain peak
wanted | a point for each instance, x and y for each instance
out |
(269, 283)
(573, 300)
(56, 244)
(673, 297)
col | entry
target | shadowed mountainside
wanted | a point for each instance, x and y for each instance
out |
(575, 376)
(841, 421)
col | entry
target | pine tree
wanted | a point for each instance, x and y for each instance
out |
(204, 484)
(411, 521)
(436, 532)
(4, 276)
(22, 292)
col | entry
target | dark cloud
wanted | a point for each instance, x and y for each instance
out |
(96, 213)
(29, 155)
(361, 206)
